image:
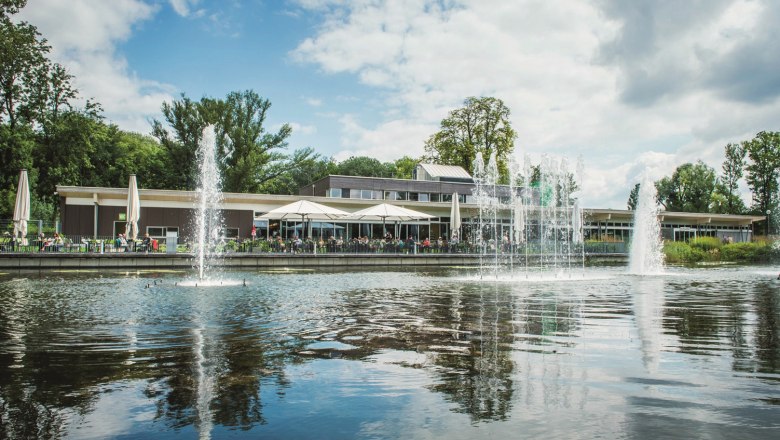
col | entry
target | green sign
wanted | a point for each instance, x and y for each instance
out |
(122, 216)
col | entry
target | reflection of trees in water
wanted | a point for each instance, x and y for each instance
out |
(62, 363)
(708, 316)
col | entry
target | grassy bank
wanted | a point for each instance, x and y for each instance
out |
(712, 249)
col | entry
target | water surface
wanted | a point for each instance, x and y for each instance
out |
(391, 354)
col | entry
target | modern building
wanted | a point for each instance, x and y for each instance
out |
(99, 212)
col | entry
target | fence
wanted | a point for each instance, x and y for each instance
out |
(87, 244)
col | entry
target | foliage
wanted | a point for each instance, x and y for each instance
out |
(711, 249)
(633, 198)
(404, 167)
(250, 157)
(706, 244)
(365, 166)
(481, 125)
(725, 199)
(688, 190)
(762, 173)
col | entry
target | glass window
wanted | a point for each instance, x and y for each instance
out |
(436, 197)
(155, 231)
(424, 197)
(446, 197)
(334, 192)
(354, 194)
(402, 195)
(413, 196)
(391, 195)
(366, 194)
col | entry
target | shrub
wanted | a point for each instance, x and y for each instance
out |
(706, 244)
(750, 252)
(681, 252)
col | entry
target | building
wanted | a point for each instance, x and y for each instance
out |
(99, 212)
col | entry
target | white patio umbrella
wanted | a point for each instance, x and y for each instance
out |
(22, 208)
(133, 210)
(306, 210)
(455, 218)
(386, 211)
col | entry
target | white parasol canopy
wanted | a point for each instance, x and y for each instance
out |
(22, 208)
(133, 209)
(386, 211)
(455, 217)
(304, 209)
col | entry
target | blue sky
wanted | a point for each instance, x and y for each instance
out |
(631, 87)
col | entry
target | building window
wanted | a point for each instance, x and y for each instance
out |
(423, 197)
(446, 197)
(391, 195)
(354, 194)
(436, 197)
(161, 231)
(413, 196)
(335, 193)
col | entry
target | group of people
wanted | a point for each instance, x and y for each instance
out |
(144, 245)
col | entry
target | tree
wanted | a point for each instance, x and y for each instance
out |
(725, 199)
(633, 198)
(689, 189)
(250, 157)
(364, 166)
(404, 167)
(763, 171)
(481, 125)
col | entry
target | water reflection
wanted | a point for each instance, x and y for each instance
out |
(648, 302)
(353, 353)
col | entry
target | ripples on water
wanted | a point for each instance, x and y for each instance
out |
(391, 354)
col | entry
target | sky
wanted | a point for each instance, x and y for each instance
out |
(634, 88)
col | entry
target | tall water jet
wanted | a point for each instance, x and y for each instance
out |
(209, 202)
(646, 256)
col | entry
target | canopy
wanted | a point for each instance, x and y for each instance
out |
(319, 225)
(304, 209)
(133, 210)
(386, 211)
(22, 208)
(455, 217)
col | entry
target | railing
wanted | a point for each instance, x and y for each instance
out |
(79, 244)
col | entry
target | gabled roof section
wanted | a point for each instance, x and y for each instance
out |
(444, 173)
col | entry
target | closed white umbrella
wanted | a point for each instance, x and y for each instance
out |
(22, 208)
(455, 218)
(133, 210)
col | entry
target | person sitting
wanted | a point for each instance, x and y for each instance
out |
(426, 245)
(57, 243)
(120, 243)
(146, 243)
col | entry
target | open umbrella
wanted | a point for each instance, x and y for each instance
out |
(133, 210)
(22, 208)
(386, 211)
(305, 209)
(455, 218)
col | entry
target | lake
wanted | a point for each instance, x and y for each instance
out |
(396, 353)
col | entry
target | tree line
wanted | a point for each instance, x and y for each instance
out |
(696, 187)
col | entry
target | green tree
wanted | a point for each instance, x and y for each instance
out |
(725, 199)
(481, 125)
(404, 167)
(762, 173)
(689, 189)
(310, 169)
(364, 166)
(250, 156)
(633, 198)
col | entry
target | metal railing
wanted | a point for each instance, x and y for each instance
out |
(84, 244)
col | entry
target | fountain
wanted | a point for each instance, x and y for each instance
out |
(545, 231)
(208, 222)
(646, 256)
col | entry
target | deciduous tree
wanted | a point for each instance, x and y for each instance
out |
(481, 125)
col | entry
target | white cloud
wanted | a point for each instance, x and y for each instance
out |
(302, 129)
(83, 35)
(623, 86)
(184, 7)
